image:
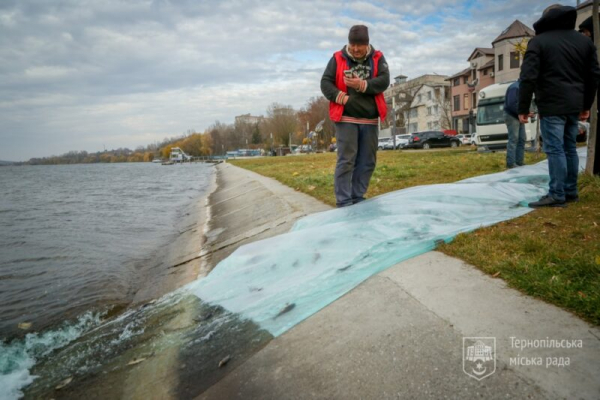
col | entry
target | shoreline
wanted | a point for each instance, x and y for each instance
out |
(172, 336)
(181, 261)
(173, 263)
(140, 276)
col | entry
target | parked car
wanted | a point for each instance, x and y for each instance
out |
(466, 139)
(402, 141)
(304, 148)
(473, 139)
(430, 139)
(385, 143)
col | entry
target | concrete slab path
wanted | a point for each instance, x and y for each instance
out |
(400, 335)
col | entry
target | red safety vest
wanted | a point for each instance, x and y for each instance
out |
(336, 110)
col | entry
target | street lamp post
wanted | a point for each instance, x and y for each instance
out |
(471, 121)
(393, 128)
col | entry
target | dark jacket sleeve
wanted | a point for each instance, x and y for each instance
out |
(382, 81)
(592, 78)
(530, 71)
(330, 91)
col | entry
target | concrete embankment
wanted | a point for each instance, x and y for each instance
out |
(399, 334)
(402, 334)
(247, 207)
(173, 348)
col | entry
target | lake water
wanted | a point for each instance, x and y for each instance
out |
(76, 238)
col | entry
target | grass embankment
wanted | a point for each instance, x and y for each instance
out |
(552, 254)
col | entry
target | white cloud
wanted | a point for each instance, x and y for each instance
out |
(75, 73)
(48, 72)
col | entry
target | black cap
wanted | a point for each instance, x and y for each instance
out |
(359, 34)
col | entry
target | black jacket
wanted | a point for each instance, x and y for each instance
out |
(359, 105)
(560, 66)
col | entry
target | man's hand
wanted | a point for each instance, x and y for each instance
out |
(584, 115)
(353, 82)
(524, 118)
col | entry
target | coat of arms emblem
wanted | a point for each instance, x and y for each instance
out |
(479, 356)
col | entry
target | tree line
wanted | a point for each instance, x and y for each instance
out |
(281, 125)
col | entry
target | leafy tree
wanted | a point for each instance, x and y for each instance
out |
(256, 137)
(207, 144)
(166, 151)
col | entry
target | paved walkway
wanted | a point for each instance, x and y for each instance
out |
(400, 335)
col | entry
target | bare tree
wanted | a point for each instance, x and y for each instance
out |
(242, 134)
(315, 111)
(444, 103)
(282, 122)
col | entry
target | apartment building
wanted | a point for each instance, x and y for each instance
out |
(248, 119)
(508, 60)
(584, 11)
(418, 104)
(429, 109)
(500, 63)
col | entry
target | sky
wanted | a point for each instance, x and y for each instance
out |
(93, 74)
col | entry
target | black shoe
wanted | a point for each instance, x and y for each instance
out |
(547, 201)
(571, 198)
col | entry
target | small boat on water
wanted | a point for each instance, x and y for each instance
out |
(167, 163)
(157, 161)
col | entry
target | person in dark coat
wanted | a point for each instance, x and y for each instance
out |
(561, 68)
(515, 147)
(353, 82)
(587, 28)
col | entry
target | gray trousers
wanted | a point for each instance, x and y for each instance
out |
(356, 158)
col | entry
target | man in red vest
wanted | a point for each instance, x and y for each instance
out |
(354, 82)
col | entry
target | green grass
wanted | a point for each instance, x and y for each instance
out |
(552, 254)
(313, 174)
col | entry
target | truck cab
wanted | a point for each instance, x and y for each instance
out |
(492, 133)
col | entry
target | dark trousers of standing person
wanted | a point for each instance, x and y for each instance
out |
(515, 148)
(356, 158)
(559, 133)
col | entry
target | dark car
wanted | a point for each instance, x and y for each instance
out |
(431, 139)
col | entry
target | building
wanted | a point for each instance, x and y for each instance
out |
(429, 109)
(466, 85)
(501, 63)
(508, 60)
(462, 96)
(417, 104)
(248, 119)
(584, 10)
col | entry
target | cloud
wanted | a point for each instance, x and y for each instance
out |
(80, 74)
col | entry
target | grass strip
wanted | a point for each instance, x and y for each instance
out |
(552, 254)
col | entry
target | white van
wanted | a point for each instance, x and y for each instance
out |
(491, 129)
